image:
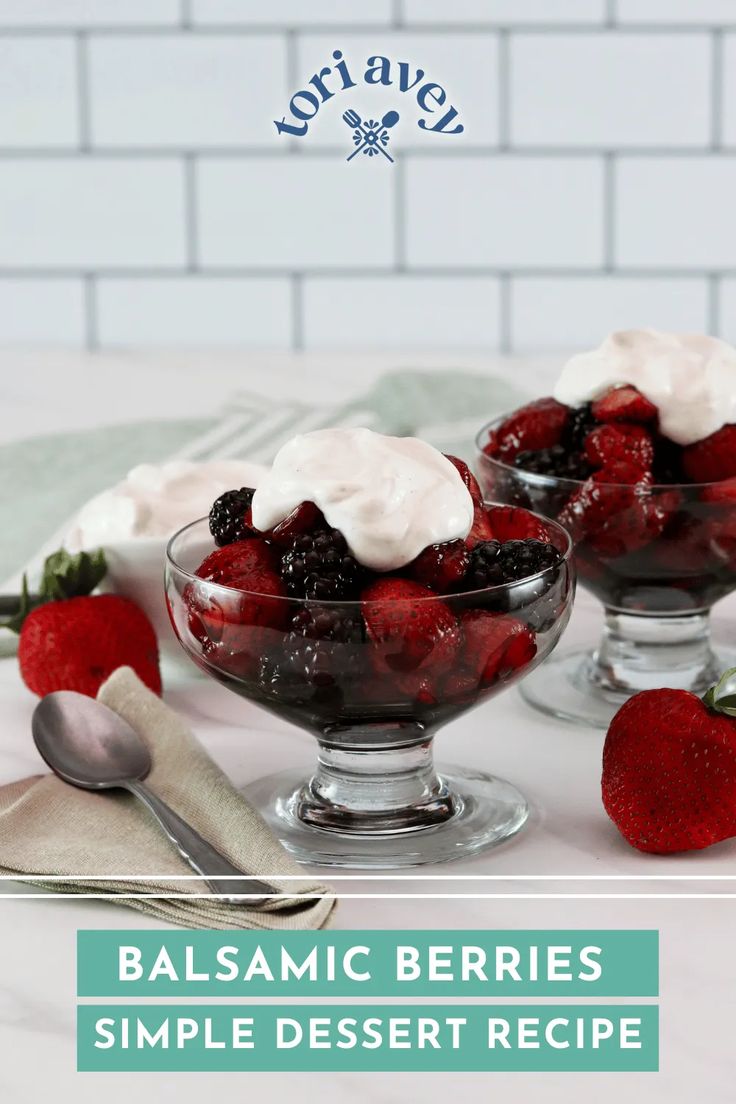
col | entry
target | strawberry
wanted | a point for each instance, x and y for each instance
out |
(603, 498)
(723, 492)
(235, 564)
(669, 770)
(608, 444)
(246, 574)
(467, 477)
(302, 519)
(538, 425)
(412, 635)
(441, 566)
(481, 528)
(516, 523)
(73, 639)
(712, 459)
(495, 646)
(624, 404)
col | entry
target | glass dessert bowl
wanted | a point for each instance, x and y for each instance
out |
(654, 544)
(373, 679)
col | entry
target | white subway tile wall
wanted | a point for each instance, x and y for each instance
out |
(147, 198)
(402, 312)
(195, 310)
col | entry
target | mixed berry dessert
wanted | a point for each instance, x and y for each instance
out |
(365, 592)
(635, 454)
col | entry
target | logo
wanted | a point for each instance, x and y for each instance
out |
(371, 136)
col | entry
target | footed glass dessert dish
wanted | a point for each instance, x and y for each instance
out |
(373, 679)
(657, 555)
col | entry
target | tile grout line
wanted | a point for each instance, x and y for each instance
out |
(714, 304)
(397, 14)
(467, 152)
(611, 14)
(189, 166)
(91, 335)
(601, 26)
(504, 90)
(399, 195)
(185, 16)
(83, 97)
(297, 312)
(292, 57)
(346, 272)
(716, 90)
(609, 211)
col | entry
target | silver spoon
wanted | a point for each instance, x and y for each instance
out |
(90, 746)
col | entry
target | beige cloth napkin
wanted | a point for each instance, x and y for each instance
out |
(49, 827)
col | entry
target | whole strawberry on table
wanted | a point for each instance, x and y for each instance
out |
(669, 769)
(443, 630)
(72, 639)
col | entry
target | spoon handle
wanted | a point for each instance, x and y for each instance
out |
(200, 854)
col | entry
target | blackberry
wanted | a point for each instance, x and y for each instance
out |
(579, 424)
(556, 461)
(228, 522)
(484, 569)
(521, 558)
(321, 650)
(493, 563)
(319, 566)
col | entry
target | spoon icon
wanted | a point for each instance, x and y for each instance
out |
(372, 136)
(90, 746)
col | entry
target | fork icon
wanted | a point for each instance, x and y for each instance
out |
(371, 136)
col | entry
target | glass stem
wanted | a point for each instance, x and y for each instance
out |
(641, 652)
(364, 789)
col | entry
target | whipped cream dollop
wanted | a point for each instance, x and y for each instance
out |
(391, 497)
(690, 378)
(154, 500)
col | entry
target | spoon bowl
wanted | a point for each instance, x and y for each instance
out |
(87, 744)
(90, 746)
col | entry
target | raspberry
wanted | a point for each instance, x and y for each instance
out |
(319, 566)
(537, 425)
(493, 563)
(230, 517)
(441, 566)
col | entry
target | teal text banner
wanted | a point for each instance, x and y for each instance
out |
(368, 964)
(394, 1037)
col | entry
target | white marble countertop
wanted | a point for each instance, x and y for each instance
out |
(557, 767)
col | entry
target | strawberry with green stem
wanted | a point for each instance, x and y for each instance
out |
(72, 639)
(669, 769)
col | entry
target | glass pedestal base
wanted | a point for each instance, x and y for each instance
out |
(472, 811)
(588, 688)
